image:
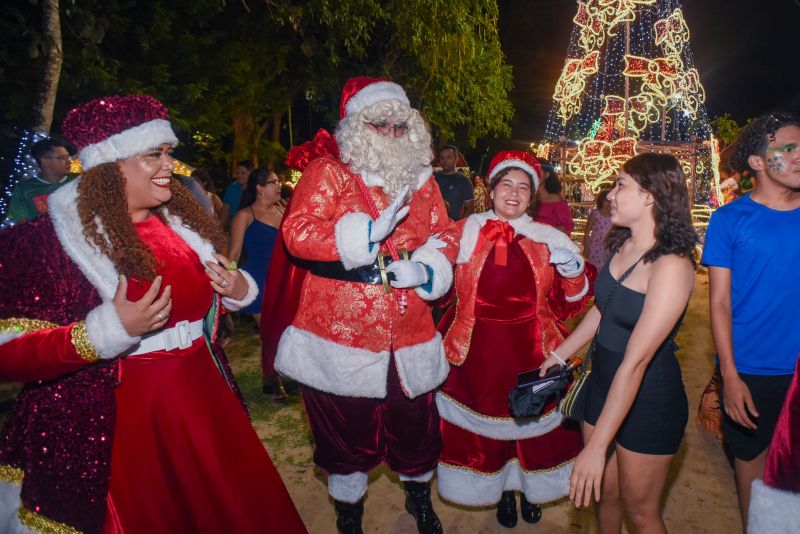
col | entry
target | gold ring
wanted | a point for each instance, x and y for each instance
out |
(232, 266)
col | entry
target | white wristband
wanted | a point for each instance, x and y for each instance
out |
(557, 357)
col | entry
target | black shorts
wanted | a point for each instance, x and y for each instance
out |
(768, 392)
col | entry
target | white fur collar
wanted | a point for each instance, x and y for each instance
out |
(373, 180)
(96, 266)
(525, 225)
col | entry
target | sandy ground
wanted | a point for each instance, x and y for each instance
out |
(700, 498)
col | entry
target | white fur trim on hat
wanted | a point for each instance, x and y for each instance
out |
(518, 164)
(125, 144)
(374, 93)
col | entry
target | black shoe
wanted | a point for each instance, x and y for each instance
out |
(530, 512)
(507, 510)
(418, 504)
(348, 516)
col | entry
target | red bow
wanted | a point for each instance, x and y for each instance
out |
(501, 233)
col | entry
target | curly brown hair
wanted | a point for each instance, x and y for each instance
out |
(754, 139)
(102, 203)
(662, 176)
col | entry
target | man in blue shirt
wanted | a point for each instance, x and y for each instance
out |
(233, 194)
(752, 250)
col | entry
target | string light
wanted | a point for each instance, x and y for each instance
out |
(619, 88)
(23, 167)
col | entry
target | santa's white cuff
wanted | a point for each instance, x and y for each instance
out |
(442, 272)
(106, 332)
(352, 240)
(582, 293)
(252, 292)
(347, 488)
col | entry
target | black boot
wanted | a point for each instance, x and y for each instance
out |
(507, 510)
(348, 516)
(531, 512)
(418, 504)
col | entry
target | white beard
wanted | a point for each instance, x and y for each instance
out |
(397, 161)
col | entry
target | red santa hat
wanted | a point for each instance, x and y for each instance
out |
(117, 127)
(516, 159)
(362, 92)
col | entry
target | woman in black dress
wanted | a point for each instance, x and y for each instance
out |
(636, 408)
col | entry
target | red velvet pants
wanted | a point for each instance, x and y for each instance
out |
(356, 434)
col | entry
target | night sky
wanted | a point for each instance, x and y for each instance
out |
(747, 53)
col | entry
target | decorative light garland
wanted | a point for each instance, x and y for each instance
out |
(23, 167)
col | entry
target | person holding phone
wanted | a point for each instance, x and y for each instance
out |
(515, 281)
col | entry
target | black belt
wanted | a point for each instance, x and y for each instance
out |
(375, 273)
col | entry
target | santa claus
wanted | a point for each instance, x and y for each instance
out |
(374, 227)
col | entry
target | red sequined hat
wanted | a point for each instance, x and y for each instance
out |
(518, 159)
(362, 92)
(117, 127)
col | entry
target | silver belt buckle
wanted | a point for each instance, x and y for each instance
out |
(183, 334)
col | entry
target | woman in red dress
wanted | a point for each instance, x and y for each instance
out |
(515, 280)
(130, 420)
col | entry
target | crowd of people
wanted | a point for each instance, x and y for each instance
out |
(131, 419)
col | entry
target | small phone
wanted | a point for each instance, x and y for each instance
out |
(529, 378)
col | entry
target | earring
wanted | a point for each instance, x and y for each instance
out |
(259, 195)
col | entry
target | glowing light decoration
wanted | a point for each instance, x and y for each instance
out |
(23, 168)
(572, 82)
(629, 76)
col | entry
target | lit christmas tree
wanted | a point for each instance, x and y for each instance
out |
(629, 85)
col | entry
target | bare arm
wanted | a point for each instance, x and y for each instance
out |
(670, 285)
(238, 226)
(736, 395)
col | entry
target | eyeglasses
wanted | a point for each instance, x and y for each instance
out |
(390, 130)
(62, 158)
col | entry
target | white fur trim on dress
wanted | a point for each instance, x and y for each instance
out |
(97, 267)
(519, 165)
(579, 296)
(373, 180)
(422, 367)
(525, 225)
(107, 333)
(347, 488)
(442, 271)
(424, 477)
(132, 141)
(10, 503)
(352, 240)
(500, 428)
(252, 292)
(772, 510)
(330, 367)
(374, 93)
(471, 488)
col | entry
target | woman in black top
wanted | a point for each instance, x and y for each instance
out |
(636, 406)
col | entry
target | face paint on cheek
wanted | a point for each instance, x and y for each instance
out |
(775, 163)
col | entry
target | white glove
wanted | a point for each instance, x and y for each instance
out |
(435, 242)
(568, 263)
(407, 273)
(389, 218)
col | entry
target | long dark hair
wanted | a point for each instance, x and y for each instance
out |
(258, 177)
(662, 176)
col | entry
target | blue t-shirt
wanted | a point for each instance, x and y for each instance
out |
(761, 247)
(233, 196)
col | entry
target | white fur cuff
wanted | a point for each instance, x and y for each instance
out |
(424, 477)
(106, 332)
(252, 293)
(422, 367)
(773, 511)
(331, 367)
(352, 240)
(10, 503)
(473, 488)
(579, 296)
(347, 488)
(442, 272)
